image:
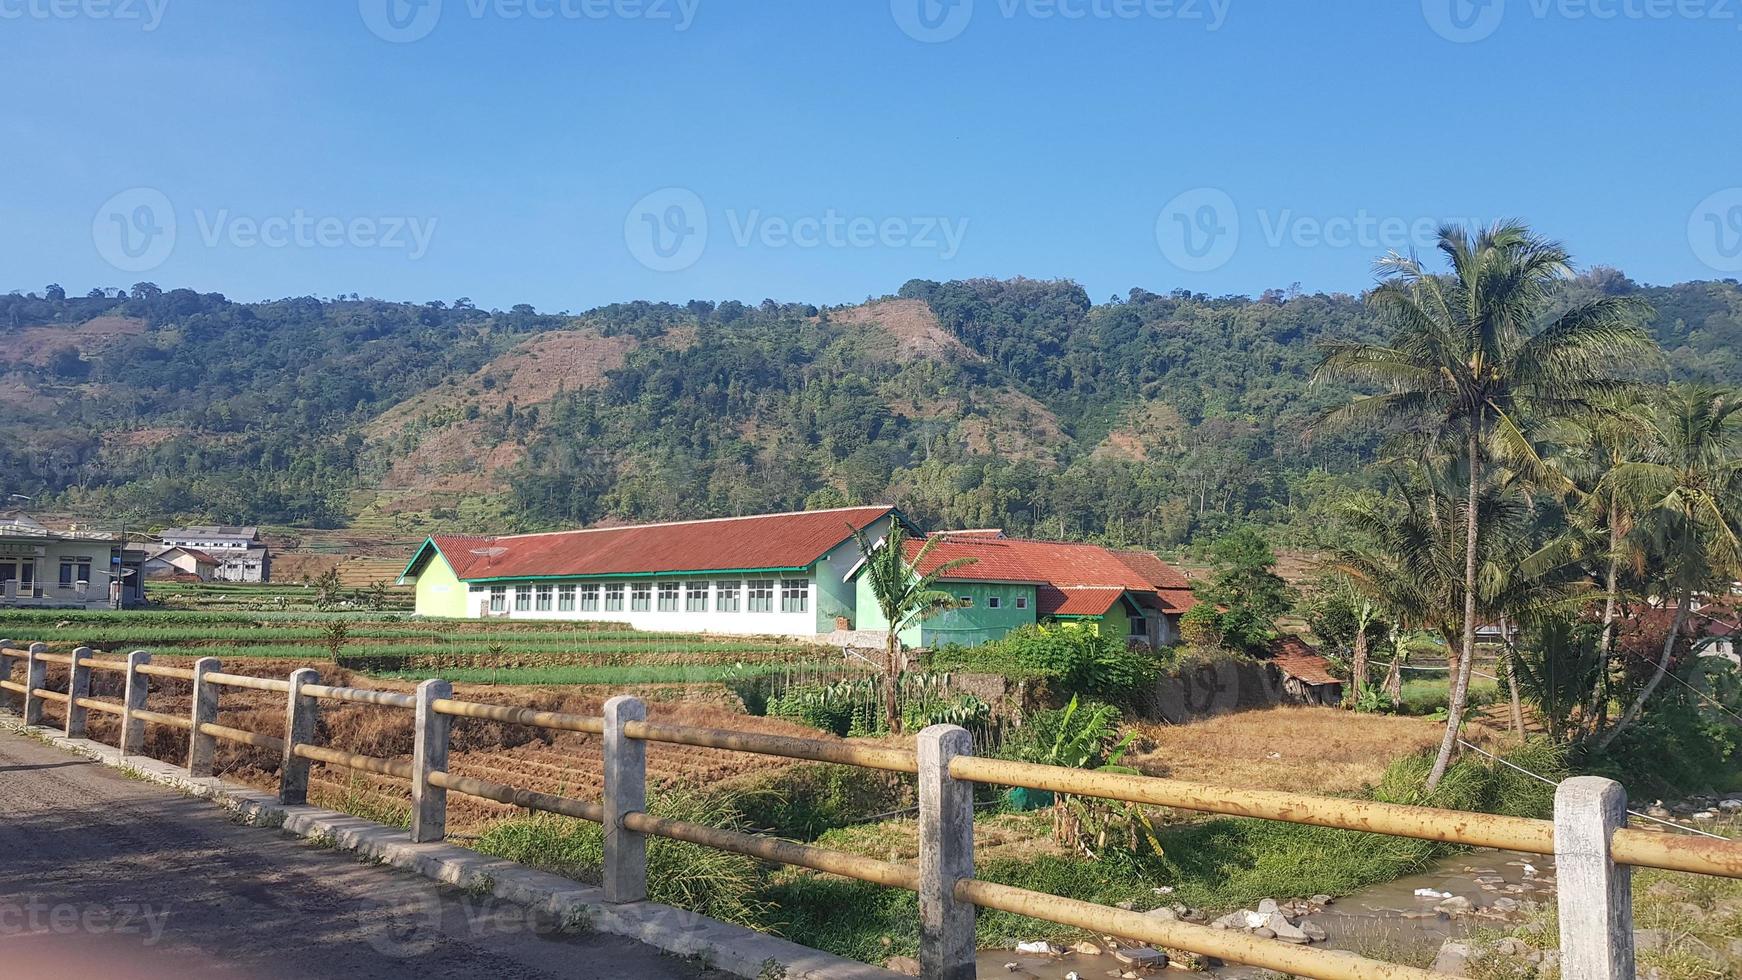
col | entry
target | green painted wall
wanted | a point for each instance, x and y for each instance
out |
(970, 626)
(836, 596)
(439, 592)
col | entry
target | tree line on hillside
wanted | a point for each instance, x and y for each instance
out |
(1148, 420)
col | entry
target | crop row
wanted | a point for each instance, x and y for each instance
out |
(605, 675)
(265, 634)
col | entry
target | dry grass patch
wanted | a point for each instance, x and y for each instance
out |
(1324, 750)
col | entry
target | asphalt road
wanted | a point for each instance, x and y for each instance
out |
(102, 876)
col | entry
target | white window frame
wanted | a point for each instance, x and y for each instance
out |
(728, 596)
(795, 595)
(522, 598)
(1022, 602)
(759, 595)
(565, 598)
(544, 597)
(994, 602)
(695, 599)
(641, 597)
(498, 598)
(614, 601)
(670, 596)
(590, 598)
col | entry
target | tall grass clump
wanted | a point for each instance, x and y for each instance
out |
(713, 883)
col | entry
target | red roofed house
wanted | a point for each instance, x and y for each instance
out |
(771, 574)
(1013, 583)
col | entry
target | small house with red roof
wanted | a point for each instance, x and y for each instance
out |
(1010, 582)
(769, 574)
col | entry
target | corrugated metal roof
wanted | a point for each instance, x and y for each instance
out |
(1297, 658)
(765, 541)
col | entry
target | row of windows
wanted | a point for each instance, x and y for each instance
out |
(728, 596)
(992, 601)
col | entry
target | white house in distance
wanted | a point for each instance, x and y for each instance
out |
(43, 568)
(772, 574)
(182, 563)
(238, 551)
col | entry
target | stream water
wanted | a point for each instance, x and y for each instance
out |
(1388, 921)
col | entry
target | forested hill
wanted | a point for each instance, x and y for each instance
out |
(1147, 419)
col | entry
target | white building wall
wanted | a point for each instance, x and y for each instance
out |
(713, 620)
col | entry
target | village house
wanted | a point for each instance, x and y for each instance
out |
(789, 574)
(185, 564)
(240, 554)
(1009, 582)
(43, 568)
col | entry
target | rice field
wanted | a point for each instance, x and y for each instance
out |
(488, 652)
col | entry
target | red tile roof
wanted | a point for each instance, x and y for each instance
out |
(1079, 600)
(1071, 576)
(766, 541)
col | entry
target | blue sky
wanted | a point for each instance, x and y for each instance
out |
(830, 150)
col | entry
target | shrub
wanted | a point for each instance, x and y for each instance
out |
(1074, 661)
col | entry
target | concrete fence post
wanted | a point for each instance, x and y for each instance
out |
(78, 688)
(202, 748)
(138, 686)
(7, 699)
(946, 856)
(1595, 893)
(625, 793)
(299, 728)
(35, 676)
(429, 803)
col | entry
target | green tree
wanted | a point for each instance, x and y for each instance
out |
(1688, 494)
(1246, 592)
(906, 597)
(1472, 364)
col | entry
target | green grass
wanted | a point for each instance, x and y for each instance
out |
(644, 674)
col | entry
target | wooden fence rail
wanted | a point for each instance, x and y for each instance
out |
(1593, 848)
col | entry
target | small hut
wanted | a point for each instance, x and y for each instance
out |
(1306, 674)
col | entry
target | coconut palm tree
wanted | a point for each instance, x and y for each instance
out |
(1472, 359)
(905, 596)
(1688, 495)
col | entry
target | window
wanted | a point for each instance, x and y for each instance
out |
(640, 597)
(74, 570)
(522, 598)
(1022, 602)
(695, 597)
(964, 602)
(761, 595)
(545, 593)
(565, 599)
(994, 602)
(726, 596)
(8, 572)
(795, 595)
(498, 598)
(589, 598)
(668, 597)
(614, 598)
